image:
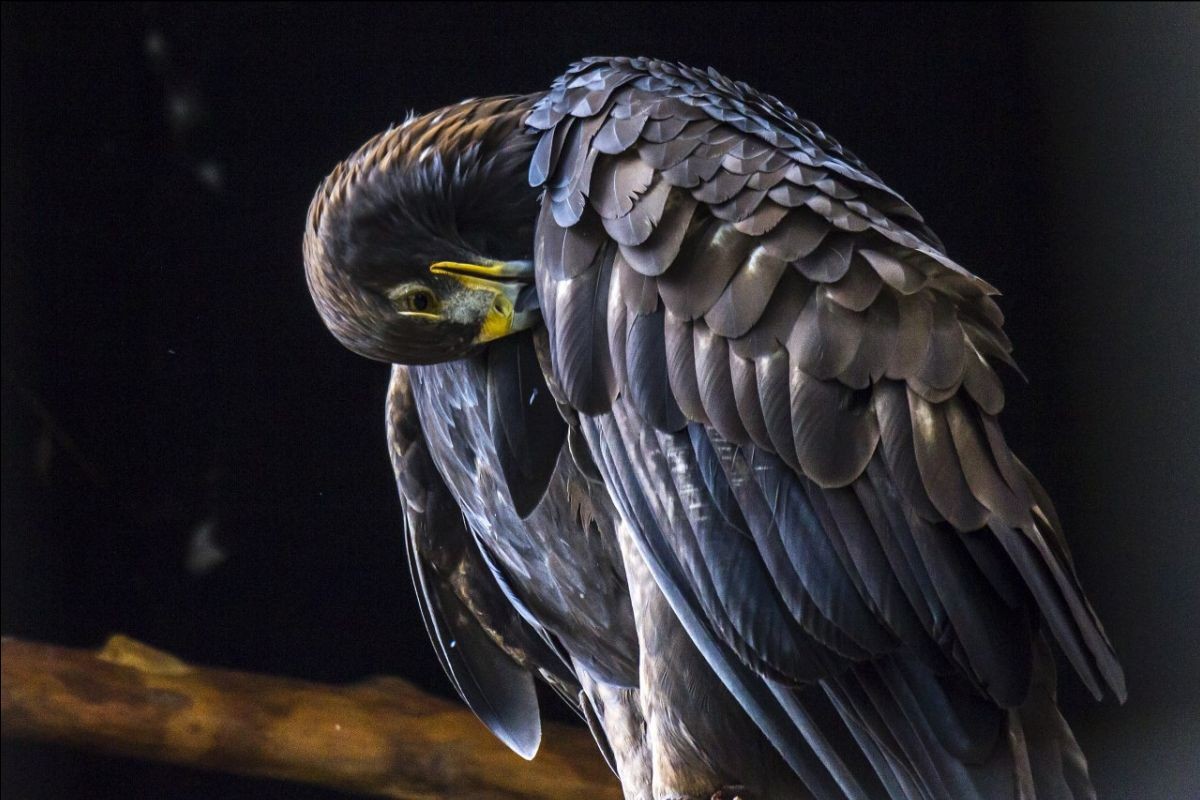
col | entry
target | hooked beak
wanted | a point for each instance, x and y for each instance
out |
(504, 280)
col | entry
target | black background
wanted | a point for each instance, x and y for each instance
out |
(164, 371)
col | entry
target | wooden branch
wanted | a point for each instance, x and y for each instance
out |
(383, 736)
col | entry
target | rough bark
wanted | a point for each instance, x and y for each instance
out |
(382, 736)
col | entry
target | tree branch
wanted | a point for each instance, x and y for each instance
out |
(383, 736)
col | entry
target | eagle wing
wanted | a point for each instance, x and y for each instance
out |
(789, 390)
(489, 652)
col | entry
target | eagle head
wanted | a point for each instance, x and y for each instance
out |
(418, 246)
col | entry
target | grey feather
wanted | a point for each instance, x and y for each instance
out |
(745, 396)
(712, 257)
(617, 324)
(834, 433)
(943, 365)
(646, 359)
(636, 226)
(681, 366)
(638, 291)
(618, 135)
(497, 690)
(858, 288)
(900, 276)
(790, 195)
(546, 154)
(774, 327)
(825, 337)
(796, 236)
(981, 382)
(912, 335)
(744, 299)
(740, 207)
(723, 186)
(829, 262)
(772, 371)
(654, 255)
(896, 436)
(716, 384)
(694, 170)
(875, 347)
(980, 470)
(567, 251)
(520, 405)
(661, 130)
(617, 184)
(764, 219)
(581, 356)
(770, 176)
(665, 155)
(940, 468)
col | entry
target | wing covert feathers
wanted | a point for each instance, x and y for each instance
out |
(702, 200)
(804, 409)
(482, 643)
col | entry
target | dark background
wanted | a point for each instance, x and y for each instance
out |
(167, 383)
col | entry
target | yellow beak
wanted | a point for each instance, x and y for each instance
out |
(503, 280)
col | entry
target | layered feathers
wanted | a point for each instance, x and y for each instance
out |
(810, 379)
(759, 362)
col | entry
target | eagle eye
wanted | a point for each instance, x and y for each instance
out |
(418, 299)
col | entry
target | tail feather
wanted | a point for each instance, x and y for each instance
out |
(883, 735)
(929, 737)
(1057, 766)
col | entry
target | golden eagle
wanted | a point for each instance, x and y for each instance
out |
(694, 419)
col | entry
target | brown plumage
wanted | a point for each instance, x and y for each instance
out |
(443, 187)
(780, 401)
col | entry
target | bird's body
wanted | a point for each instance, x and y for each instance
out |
(731, 479)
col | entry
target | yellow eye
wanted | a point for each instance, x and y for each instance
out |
(421, 300)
